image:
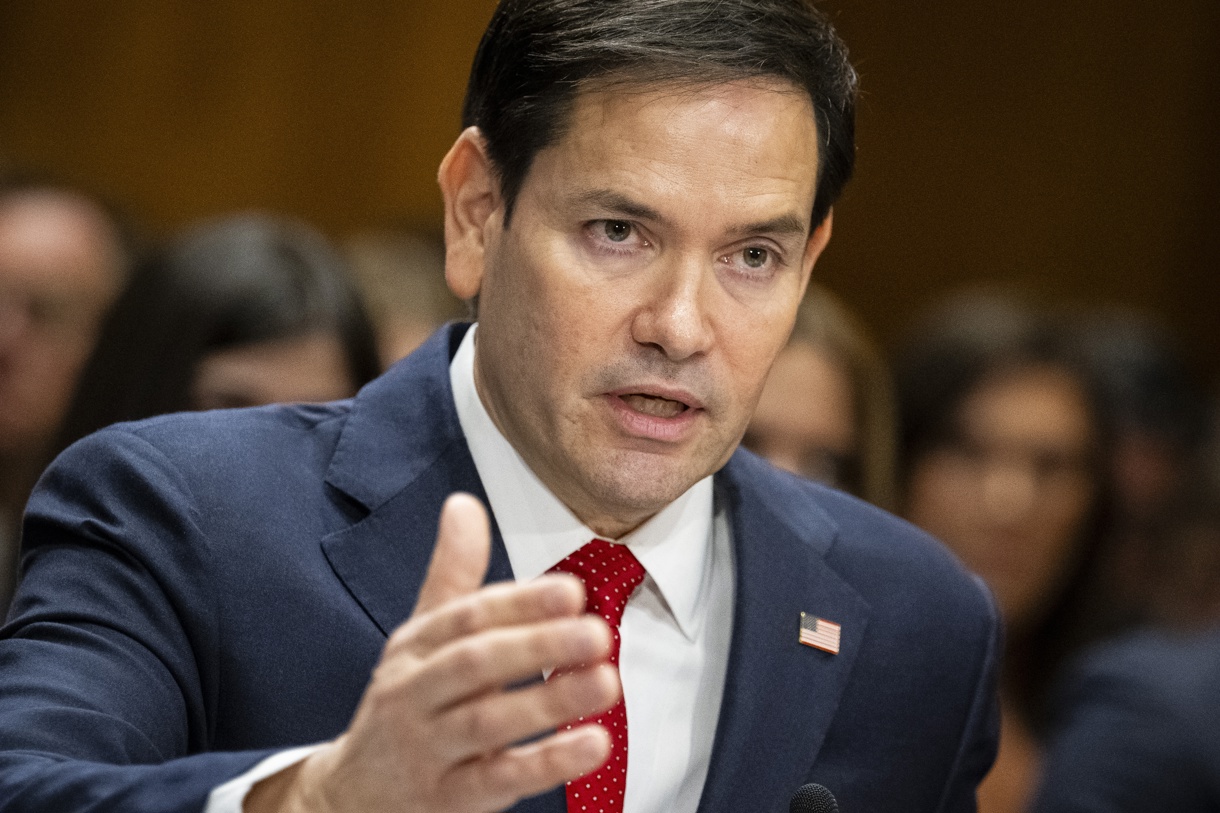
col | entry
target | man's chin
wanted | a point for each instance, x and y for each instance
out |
(627, 495)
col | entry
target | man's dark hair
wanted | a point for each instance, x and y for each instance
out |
(537, 55)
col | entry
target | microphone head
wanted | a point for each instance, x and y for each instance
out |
(813, 798)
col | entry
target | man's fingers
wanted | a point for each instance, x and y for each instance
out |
(500, 780)
(463, 549)
(494, 722)
(497, 605)
(489, 661)
(444, 672)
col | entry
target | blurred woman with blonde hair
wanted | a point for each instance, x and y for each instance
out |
(827, 409)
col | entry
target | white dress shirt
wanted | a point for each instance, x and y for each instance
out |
(675, 630)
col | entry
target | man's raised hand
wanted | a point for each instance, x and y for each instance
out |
(441, 723)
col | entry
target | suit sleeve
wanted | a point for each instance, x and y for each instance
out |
(108, 666)
(981, 734)
(1122, 745)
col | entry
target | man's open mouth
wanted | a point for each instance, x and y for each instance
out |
(654, 406)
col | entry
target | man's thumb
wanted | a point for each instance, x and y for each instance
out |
(463, 549)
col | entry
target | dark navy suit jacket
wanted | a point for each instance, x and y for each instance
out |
(1139, 729)
(202, 590)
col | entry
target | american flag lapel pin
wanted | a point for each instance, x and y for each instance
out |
(820, 633)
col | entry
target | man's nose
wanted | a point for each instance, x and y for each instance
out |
(674, 316)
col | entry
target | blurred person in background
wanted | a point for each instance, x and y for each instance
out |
(1138, 720)
(1160, 417)
(1183, 556)
(63, 258)
(243, 311)
(402, 279)
(827, 409)
(1002, 456)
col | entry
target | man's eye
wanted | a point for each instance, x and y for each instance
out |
(617, 230)
(755, 256)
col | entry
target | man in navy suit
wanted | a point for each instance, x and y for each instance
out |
(636, 204)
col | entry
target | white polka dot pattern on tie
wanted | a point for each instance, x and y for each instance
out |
(611, 573)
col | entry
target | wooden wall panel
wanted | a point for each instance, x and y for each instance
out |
(1071, 146)
(1061, 145)
(338, 112)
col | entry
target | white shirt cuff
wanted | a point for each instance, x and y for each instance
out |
(228, 798)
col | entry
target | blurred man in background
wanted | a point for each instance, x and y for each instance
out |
(62, 262)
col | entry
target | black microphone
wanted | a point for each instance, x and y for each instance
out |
(813, 798)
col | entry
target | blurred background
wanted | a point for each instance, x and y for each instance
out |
(1070, 148)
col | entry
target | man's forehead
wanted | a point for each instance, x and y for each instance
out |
(759, 101)
(632, 89)
(757, 134)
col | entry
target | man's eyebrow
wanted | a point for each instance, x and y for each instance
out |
(784, 224)
(617, 203)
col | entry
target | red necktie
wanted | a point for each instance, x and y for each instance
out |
(610, 573)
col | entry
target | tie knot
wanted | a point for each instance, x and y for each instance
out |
(610, 573)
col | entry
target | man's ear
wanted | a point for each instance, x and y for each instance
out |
(814, 246)
(472, 198)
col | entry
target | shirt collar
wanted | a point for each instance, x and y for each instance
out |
(539, 531)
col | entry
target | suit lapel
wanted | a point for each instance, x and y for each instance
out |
(401, 454)
(780, 696)
(382, 560)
